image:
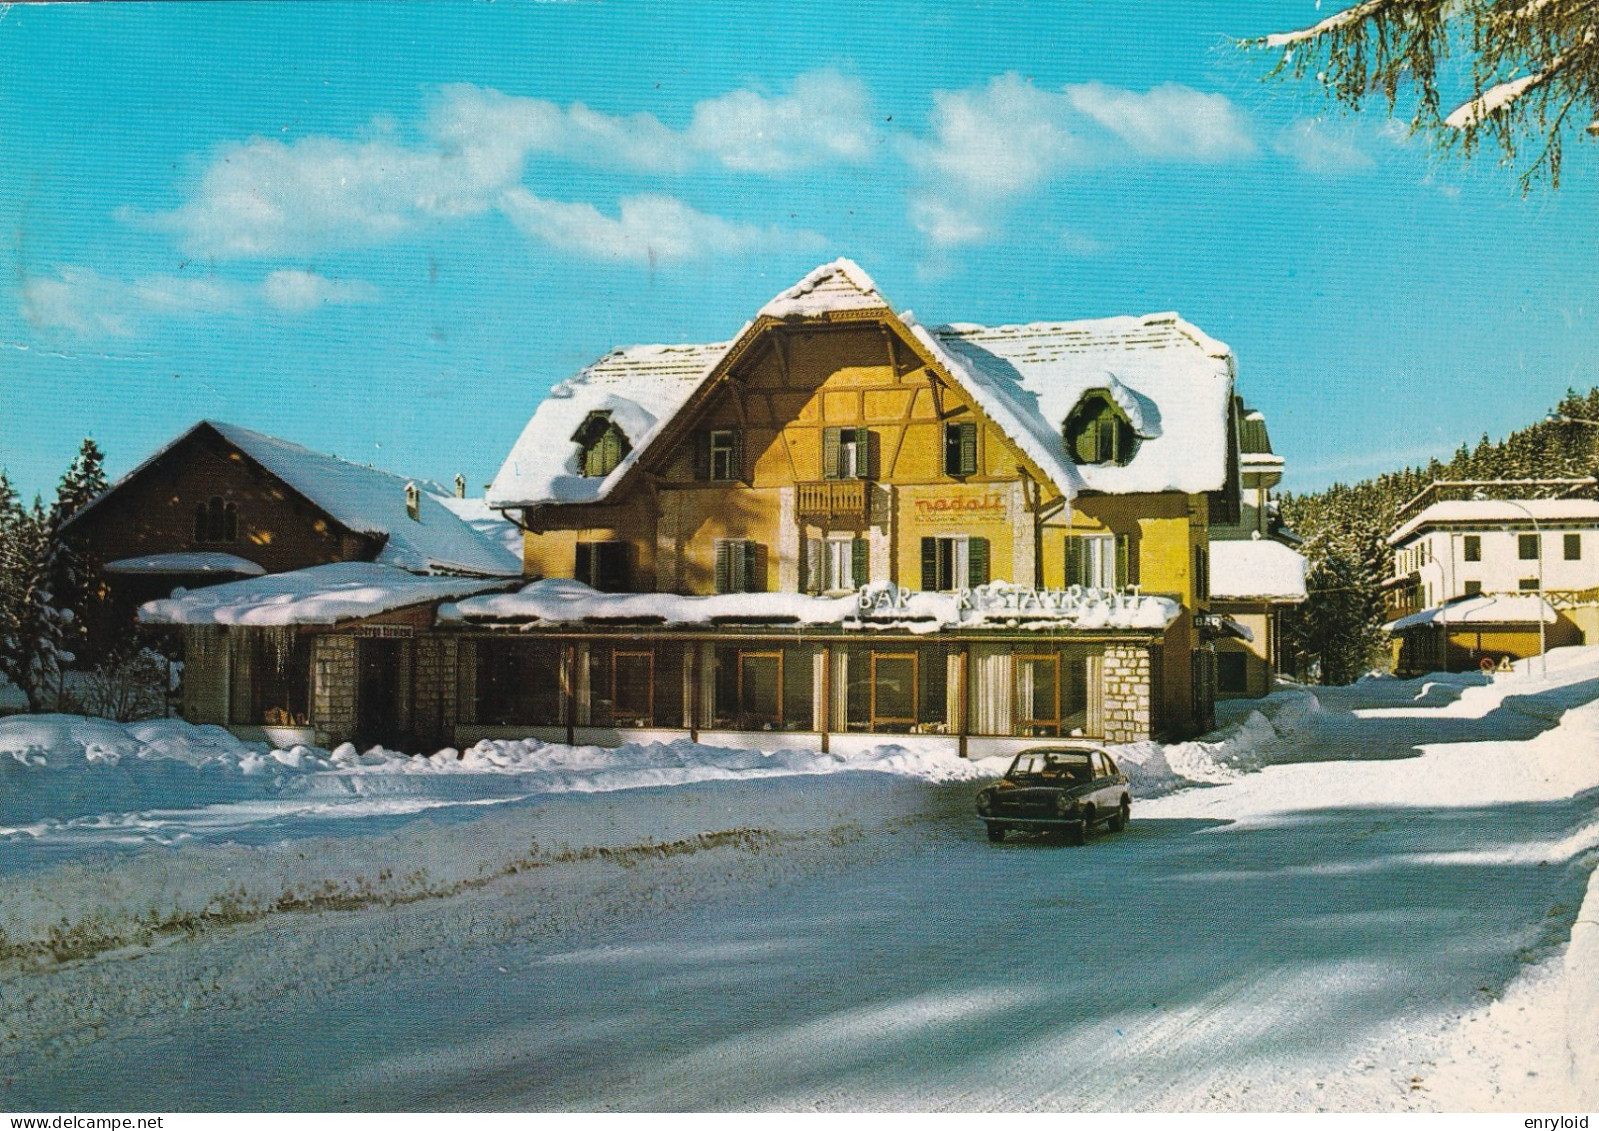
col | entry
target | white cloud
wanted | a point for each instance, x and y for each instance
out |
(987, 146)
(991, 145)
(84, 303)
(1316, 148)
(264, 197)
(826, 117)
(1170, 122)
(648, 229)
(305, 290)
(268, 198)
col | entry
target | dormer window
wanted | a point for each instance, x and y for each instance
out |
(603, 445)
(1098, 431)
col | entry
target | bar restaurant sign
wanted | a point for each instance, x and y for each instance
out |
(961, 509)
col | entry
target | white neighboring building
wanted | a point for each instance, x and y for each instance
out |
(1480, 549)
(1254, 572)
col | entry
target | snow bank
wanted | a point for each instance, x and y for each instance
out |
(1260, 738)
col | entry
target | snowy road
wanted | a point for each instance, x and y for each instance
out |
(1331, 931)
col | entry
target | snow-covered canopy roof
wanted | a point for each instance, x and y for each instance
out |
(324, 594)
(489, 524)
(558, 601)
(1171, 381)
(1489, 608)
(364, 500)
(1256, 568)
(196, 562)
(1499, 512)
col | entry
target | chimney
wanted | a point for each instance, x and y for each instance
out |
(413, 502)
(460, 486)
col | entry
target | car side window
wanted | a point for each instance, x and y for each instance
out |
(1110, 766)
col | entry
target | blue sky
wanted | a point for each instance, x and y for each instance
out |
(385, 230)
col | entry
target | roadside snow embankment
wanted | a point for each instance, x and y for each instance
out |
(1266, 734)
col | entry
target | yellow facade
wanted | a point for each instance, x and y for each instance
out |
(780, 394)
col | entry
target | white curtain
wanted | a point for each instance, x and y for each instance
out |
(992, 690)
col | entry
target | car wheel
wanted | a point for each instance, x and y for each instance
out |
(996, 833)
(1077, 833)
(1124, 814)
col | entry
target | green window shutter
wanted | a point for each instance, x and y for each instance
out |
(1074, 561)
(929, 565)
(968, 454)
(860, 562)
(724, 552)
(583, 568)
(867, 444)
(751, 555)
(739, 472)
(702, 455)
(830, 453)
(1124, 560)
(977, 561)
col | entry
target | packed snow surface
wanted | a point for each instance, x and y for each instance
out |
(1365, 898)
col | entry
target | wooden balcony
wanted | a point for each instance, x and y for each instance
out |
(833, 498)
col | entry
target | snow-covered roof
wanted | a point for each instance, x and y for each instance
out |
(324, 594)
(195, 562)
(1256, 568)
(833, 287)
(487, 523)
(364, 500)
(640, 386)
(1494, 512)
(558, 601)
(1171, 381)
(1489, 608)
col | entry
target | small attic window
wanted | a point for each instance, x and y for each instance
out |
(1097, 431)
(604, 445)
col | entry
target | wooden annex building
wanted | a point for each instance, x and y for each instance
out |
(837, 525)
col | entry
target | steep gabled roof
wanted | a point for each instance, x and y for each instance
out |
(1173, 382)
(364, 500)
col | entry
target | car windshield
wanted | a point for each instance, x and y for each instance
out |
(1063, 765)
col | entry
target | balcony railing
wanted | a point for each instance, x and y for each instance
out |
(834, 498)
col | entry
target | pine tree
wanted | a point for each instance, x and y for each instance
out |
(77, 578)
(1533, 74)
(36, 649)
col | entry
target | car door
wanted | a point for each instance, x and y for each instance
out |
(1107, 792)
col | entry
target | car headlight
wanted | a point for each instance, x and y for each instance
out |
(985, 801)
(1065, 805)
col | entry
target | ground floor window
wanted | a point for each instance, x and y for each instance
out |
(635, 686)
(764, 688)
(519, 682)
(271, 677)
(897, 690)
(1232, 673)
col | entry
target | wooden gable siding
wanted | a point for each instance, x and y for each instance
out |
(153, 513)
(788, 386)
